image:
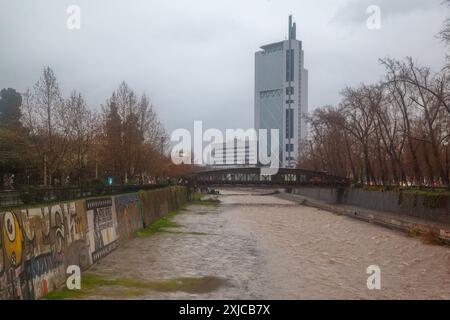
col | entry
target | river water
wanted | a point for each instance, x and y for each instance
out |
(258, 246)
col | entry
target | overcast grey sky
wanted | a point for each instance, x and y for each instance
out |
(195, 59)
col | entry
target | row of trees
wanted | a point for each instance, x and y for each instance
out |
(51, 140)
(395, 132)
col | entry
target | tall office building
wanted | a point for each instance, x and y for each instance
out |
(281, 93)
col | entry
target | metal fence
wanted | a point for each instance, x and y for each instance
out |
(31, 195)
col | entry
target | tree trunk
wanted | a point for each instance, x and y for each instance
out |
(45, 170)
(416, 168)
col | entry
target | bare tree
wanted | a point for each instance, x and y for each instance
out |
(395, 132)
(400, 93)
(360, 123)
(444, 34)
(132, 130)
(43, 114)
(82, 126)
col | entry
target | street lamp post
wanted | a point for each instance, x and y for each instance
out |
(447, 162)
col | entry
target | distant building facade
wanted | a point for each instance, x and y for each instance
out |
(281, 93)
(232, 154)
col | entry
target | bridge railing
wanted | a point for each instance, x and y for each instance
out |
(28, 196)
(285, 177)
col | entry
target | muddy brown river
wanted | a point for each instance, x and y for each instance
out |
(257, 246)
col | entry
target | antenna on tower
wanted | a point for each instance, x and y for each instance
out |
(292, 29)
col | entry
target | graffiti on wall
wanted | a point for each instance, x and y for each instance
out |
(2, 262)
(13, 284)
(37, 244)
(101, 227)
(129, 215)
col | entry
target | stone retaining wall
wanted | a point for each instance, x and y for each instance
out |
(405, 203)
(38, 244)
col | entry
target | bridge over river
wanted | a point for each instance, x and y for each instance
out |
(257, 177)
(257, 245)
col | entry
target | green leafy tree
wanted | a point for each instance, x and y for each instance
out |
(14, 141)
(10, 102)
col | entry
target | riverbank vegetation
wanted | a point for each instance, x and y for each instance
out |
(395, 132)
(95, 284)
(199, 199)
(166, 224)
(50, 140)
(160, 225)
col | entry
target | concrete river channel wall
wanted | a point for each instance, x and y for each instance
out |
(38, 244)
(431, 207)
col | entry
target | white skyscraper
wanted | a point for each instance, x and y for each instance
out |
(281, 93)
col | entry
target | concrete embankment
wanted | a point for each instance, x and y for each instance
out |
(406, 212)
(38, 244)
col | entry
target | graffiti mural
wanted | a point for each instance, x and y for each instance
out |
(129, 215)
(101, 228)
(14, 284)
(36, 246)
(78, 254)
(13, 239)
(2, 262)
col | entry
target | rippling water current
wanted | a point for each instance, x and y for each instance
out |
(256, 246)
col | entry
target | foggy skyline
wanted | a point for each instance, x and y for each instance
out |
(195, 60)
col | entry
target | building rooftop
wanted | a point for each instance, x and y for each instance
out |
(292, 30)
(274, 45)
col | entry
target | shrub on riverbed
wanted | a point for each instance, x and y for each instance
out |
(435, 200)
(431, 236)
(160, 225)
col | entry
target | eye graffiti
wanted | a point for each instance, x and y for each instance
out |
(57, 224)
(10, 227)
(28, 227)
(12, 239)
